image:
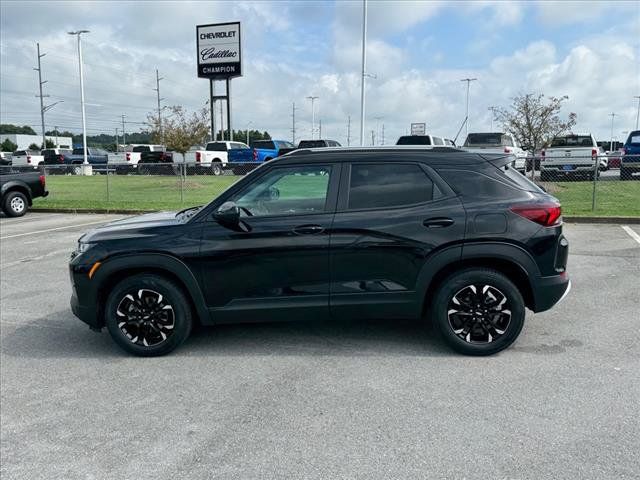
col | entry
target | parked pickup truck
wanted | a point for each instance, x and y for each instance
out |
(156, 162)
(96, 157)
(218, 156)
(134, 152)
(571, 155)
(310, 144)
(27, 158)
(630, 161)
(18, 191)
(497, 142)
(269, 149)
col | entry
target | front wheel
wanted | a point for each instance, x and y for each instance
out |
(148, 315)
(478, 311)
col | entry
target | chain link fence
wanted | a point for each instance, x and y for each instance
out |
(598, 185)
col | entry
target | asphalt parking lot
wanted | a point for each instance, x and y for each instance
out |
(319, 400)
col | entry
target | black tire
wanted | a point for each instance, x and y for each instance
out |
(216, 168)
(136, 297)
(452, 324)
(15, 204)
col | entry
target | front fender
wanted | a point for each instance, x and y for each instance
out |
(157, 262)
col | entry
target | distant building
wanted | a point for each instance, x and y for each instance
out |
(23, 141)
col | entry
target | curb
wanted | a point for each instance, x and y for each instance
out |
(611, 220)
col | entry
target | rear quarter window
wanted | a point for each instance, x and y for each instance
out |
(472, 184)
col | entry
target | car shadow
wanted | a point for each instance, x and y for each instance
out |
(64, 336)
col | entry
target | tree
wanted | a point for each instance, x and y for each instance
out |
(34, 146)
(8, 146)
(49, 144)
(180, 131)
(534, 120)
(9, 128)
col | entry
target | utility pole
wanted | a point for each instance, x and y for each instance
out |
(349, 131)
(157, 89)
(124, 135)
(320, 128)
(293, 123)
(364, 69)
(373, 138)
(117, 148)
(468, 80)
(612, 115)
(40, 83)
(377, 119)
(493, 114)
(383, 134)
(84, 123)
(56, 130)
(638, 112)
(221, 122)
(313, 114)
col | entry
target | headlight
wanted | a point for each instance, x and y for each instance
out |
(83, 247)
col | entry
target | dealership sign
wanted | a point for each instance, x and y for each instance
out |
(219, 50)
(418, 128)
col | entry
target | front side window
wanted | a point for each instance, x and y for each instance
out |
(296, 190)
(388, 185)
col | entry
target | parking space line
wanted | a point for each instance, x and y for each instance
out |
(631, 233)
(60, 228)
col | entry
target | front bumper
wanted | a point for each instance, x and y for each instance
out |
(85, 309)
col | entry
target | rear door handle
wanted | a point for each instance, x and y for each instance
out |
(438, 222)
(308, 229)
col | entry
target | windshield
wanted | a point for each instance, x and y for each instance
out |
(144, 148)
(414, 140)
(572, 141)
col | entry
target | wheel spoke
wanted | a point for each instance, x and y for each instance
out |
(146, 320)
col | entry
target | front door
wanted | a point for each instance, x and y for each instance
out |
(278, 269)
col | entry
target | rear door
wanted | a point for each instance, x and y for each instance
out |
(391, 218)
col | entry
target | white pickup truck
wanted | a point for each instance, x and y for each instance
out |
(27, 158)
(497, 142)
(572, 155)
(217, 155)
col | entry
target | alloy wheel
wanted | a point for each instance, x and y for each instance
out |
(479, 313)
(145, 317)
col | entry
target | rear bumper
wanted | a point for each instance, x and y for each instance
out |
(550, 291)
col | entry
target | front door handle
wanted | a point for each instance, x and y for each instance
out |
(308, 229)
(438, 222)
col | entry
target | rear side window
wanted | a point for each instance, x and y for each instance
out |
(634, 139)
(438, 141)
(388, 185)
(266, 144)
(476, 185)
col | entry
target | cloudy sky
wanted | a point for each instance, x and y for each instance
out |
(418, 52)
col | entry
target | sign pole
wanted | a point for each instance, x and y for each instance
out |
(212, 103)
(229, 110)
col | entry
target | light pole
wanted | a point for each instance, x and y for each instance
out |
(313, 114)
(377, 119)
(78, 33)
(612, 115)
(468, 80)
(638, 112)
(364, 69)
(247, 127)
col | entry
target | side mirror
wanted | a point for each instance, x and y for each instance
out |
(228, 214)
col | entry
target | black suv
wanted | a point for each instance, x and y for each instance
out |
(399, 232)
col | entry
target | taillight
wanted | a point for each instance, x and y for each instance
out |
(198, 155)
(128, 157)
(507, 150)
(543, 153)
(594, 152)
(545, 214)
(43, 181)
(28, 159)
(60, 158)
(255, 155)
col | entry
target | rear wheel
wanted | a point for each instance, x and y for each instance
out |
(15, 204)
(478, 311)
(216, 168)
(148, 315)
